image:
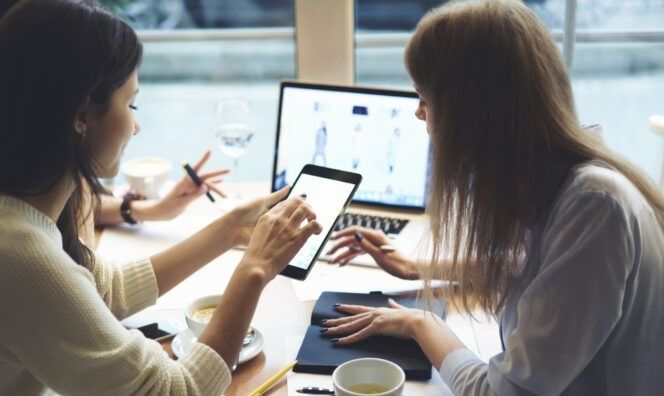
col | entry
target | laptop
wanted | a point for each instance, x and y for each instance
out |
(370, 131)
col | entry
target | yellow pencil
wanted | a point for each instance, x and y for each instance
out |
(259, 391)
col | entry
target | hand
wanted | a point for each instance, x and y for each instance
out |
(279, 235)
(358, 240)
(364, 322)
(243, 218)
(185, 191)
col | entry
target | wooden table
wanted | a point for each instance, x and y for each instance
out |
(279, 313)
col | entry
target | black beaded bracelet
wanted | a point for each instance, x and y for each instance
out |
(125, 208)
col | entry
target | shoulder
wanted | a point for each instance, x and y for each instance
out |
(22, 242)
(31, 258)
(600, 186)
(598, 210)
(594, 229)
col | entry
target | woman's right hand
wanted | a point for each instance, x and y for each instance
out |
(359, 240)
(279, 235)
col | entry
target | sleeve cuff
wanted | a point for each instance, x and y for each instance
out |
(454, 362)
(140, 285)
(208, 369)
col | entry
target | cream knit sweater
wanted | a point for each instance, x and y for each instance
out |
(59, 323)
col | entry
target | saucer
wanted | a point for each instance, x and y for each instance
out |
(185, 340)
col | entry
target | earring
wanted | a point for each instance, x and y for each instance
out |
(83, 133)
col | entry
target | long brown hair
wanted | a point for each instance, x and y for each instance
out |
(58, 56)
(505, 135)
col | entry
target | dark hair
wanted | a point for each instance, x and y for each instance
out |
(58, 56)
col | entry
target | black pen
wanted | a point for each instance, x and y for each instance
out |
(314, 390)
(197, 180)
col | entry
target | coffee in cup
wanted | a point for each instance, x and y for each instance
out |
(204, 314)
(199, 313)
(147, 175)
(368, 376)
(368, 389)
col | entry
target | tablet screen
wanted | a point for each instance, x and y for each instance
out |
(327, 198)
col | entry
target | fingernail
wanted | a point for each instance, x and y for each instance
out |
(323, 321)
(335, 340)
(303, 195)
(336, 305)
(358, 236)
(323, 330)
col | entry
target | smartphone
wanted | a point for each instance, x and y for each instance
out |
(160, 330)
(329, 191)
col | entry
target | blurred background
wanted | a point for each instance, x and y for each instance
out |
(200, 51)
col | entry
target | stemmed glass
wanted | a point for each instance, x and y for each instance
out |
(235, 129)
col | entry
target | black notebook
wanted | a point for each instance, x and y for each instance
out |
(319, 355)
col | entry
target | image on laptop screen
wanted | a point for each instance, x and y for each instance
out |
(373, 132)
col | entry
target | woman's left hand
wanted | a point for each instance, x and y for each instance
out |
(185, 191)
(364, 322)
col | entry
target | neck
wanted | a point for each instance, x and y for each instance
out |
(52, 201)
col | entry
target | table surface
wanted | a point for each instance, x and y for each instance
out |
(279, 313)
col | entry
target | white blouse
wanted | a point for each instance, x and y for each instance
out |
(589, 317)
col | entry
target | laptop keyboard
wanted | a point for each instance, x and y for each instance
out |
(389, 225)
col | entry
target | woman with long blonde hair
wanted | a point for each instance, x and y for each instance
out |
(540, 225)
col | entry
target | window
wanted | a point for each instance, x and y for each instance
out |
(197, 51)
(617, 68)
(618, 75)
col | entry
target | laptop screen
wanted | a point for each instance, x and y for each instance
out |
(370, 131)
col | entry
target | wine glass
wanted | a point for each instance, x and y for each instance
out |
(235, 129)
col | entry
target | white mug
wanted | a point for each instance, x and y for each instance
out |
(368, 376)
(197, 326)
(147, 175)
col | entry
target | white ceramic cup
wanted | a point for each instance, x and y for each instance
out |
(368, 371)
(195, 325)
(147, 175)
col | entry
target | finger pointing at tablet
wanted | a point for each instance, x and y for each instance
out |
(303, 212)
(278, 236)
(327, 192)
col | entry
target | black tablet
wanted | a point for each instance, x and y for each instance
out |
(329, 191)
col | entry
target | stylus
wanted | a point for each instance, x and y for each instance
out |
(194, 177)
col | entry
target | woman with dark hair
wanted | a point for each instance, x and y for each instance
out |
(538, 223)
(67, 86)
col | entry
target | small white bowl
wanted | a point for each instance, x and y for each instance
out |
(147, 175)
(657, 123)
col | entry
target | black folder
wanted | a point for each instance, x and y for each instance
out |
(318, 355)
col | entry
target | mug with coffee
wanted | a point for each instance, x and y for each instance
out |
(147, 175)
(368, 376)
(199, 313)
